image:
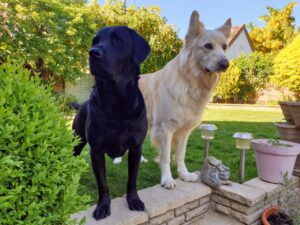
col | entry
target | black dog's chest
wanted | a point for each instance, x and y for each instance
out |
(115, 137)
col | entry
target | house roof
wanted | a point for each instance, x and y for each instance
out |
(235, 32)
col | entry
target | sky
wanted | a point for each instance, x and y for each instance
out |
(214, 12)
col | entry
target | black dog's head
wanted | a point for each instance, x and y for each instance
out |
(117, 51)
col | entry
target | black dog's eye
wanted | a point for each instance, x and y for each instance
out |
(208, 46)
(96, 40)
(116, 41)
(224, 47)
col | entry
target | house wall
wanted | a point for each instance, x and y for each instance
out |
(81, 88)
(239, 46)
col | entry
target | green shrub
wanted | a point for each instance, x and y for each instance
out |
(228, 86)
(256, 70)
(245, 77)
(64, 103)
(39, 177)
(287, 69)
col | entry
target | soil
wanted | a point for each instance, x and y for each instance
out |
(280, 219)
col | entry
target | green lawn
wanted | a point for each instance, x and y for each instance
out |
(228, 121)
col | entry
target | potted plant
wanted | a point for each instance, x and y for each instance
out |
(288, 211)
(275, 158)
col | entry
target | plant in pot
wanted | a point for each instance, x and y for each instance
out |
(274, 158)
(288, 211)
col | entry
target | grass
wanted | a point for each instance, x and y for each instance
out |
(228, 121)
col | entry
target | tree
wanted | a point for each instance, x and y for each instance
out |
(279, 29)
(54, 36)
(147, 21)
(287, 69)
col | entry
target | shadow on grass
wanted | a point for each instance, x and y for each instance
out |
(222, 147)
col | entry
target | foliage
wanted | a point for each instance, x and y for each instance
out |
(290, 199)
(245, 77)
(64, 102)
(277, 32)
(286, 67)
(39, 176)
(162, 38)
(256, 71)
(54, 36)
(228, 86)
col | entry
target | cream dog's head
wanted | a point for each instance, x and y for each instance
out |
(206, 48)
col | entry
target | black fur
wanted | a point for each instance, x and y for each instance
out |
(114, 118)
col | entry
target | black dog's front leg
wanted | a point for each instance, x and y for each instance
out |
(134, 202)
(103, 207)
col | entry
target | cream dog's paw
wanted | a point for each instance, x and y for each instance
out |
(167, 182)
(189, 177)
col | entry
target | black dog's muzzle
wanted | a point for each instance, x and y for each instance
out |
(96, 52)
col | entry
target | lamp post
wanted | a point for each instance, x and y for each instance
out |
(242, 142)
(207, 133)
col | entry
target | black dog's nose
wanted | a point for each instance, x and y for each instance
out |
(96, 52)
(223, 64)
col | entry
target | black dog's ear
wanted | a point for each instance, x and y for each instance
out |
(141, 48)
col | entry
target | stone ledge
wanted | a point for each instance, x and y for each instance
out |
(120, 215)
(243, 194)
(269, 188)
(189, 202)
(159, 200)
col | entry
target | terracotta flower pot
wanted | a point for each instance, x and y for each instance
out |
(291, 133)
(294, 108)
(286, 111)
(273, 160)
(288, 132)
(268, 212)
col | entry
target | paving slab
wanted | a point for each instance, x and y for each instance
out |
(241, 193)
(213, 218)
(269, 188)
(159, 200)
(120, 215)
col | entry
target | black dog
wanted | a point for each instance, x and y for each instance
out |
(114, 118)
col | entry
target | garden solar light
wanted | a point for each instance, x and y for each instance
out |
(207, 133)
(242, 142)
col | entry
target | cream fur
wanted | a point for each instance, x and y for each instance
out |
(177, 95)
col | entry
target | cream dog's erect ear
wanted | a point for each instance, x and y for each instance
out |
(195, 27)
(225, 28)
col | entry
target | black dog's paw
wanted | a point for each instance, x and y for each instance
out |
(136, 204)
(102, 211)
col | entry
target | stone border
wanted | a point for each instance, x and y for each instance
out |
(188, 202)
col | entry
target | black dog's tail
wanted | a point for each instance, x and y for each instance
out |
(75, 105)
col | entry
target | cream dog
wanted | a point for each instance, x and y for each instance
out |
(177, 95)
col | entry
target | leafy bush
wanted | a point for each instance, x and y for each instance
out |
(39, 177)
(64, 103)
(54, 36)
(245, 77)
(228, 86)
(286, 67)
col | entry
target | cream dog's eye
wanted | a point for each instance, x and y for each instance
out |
(224, 47)
(208, 46)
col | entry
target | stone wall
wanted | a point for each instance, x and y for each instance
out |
(188, 203)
